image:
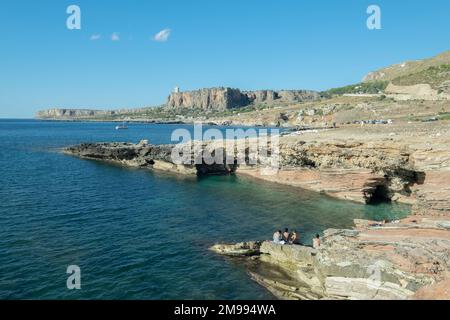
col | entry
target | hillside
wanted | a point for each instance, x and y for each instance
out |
(438, 77)
(434, 72)
(427, 79)
(409, 67)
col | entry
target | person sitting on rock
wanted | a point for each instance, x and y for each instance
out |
(316, 242)
(293, 237)
(286, 235)
(277, 237)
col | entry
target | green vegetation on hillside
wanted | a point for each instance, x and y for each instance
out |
(360, 88)
(150, 113)
(444, 116)
(434, 76)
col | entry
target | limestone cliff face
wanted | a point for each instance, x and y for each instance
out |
(287, 96)
(228, 98)
(75, 114)
(56, 113)
(214, 98)
(298, 95)
(262, 96)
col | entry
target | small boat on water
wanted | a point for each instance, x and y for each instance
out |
(123, 126)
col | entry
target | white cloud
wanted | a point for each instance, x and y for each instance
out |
(163, 35)
(115, 37)
(95, 37)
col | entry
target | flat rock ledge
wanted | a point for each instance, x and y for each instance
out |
(243, 249)
(144, 155)
(408, 259)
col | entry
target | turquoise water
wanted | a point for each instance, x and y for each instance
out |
(136, 234)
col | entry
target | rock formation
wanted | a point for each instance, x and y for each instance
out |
(227, 98)
(144, 155)
(291, 96)
(83, 114)
(247, 249)
(354, 171)
(374, 261)
(56, 113)
(208, 99)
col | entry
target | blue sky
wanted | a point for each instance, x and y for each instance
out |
(251, 44)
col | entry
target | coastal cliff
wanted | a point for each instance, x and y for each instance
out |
(86, 114)
(227, 98)
(215, 98)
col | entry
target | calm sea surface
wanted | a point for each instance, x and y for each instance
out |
(136, 234)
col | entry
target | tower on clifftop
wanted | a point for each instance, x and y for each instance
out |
(176, 89)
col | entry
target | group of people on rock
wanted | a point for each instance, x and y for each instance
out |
(292, 237)
(285, 237)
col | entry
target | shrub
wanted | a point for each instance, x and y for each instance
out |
(372, 87)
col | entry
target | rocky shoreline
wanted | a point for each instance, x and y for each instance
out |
(407, 259)
(400, 260)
